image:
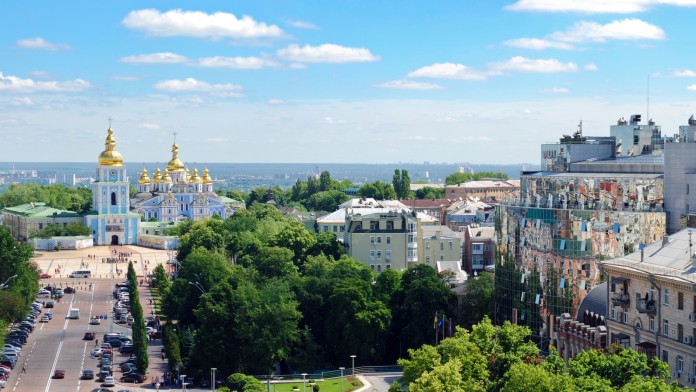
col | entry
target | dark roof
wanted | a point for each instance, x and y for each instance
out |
(594, 302)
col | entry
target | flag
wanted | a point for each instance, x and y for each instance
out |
(450, 327)
(435, 321)
(439, 322)
(443, 322)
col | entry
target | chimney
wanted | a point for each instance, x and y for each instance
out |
(642, 254)
(665, 239)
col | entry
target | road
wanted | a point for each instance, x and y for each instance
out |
(58, 343)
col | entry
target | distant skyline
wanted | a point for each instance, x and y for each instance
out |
(336, 82)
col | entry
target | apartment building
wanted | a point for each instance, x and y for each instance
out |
(25, 219)
(652, 302)
(478, 249)
(488, 191)
(439, 244)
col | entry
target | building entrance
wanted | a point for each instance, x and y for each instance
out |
(114, 240)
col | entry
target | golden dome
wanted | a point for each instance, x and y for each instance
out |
(175, 165)
(158, 176)
(206, 177)
(165, 177)
(194, 179)
(144, 179)
(110, 157)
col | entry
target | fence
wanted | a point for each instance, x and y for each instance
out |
(329, 374)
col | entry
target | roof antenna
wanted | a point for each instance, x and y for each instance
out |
(648, 99)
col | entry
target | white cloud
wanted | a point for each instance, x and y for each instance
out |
(685, 73)
(22, 101)
(691, 87)
(326, 53)
(331, 120)
(199, 24)
(127, 78)
(151, 126)
(538, 44)
(190, 85)
(233, 62)
(524, 64)
(42, 44)
(275, 101)
(302, 25)
(595, 6)
(555, 90)
(409, 85)
(297, 66)
(448, 71)
(41, 74)
(625, 29)
(155, 58)
(15, 84)
(590, 67)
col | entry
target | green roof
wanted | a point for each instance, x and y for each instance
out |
(39, 210)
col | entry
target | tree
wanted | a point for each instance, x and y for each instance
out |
(378, 190)
(237, 195)
(402, 184)
(299, 191)
(523, 377)
(328, 244)
(458, 178)
(295, 237)
(18, 270)
(618, 365)
(325, 201)
(477, 300)
(428, 192)
(312, 185)
(445, 378)
(205, 233)
(275, 262)
(324, 181)
(241, 382)
(56, 230)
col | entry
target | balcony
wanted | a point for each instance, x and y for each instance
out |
(622, 300)
(648, 306)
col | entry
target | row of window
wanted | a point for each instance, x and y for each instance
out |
(442, 245)
(427, 258)
(335, 229)
(378, 239)
(378, 253)
(379, 267)
(622, 317)
(374, 225)
(651, 296)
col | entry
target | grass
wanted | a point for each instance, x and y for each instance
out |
(333, 385)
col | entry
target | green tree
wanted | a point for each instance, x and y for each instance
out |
(402, 184)
(206, 233)
(237, 195)
(523, 377)
(328, 244)
(378, 190)
(324, 181)
(172, 348)
(275, 262)
(325, 201)
(445, 378)
(297, 238)
(243, 383)
(312, 186)
(428, 192)
(477, 300)
(299, 191)
(458, 178)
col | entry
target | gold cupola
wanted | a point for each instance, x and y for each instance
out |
(206, 177)
(175, 165)
(194, 179)
(158, 176)
(144, 179)
(165, 177)
(110, 157)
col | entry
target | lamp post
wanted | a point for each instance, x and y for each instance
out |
(4, 285)
(304, 383)
(341, 369)
(352, 357)
(198, 286)
(212, 381)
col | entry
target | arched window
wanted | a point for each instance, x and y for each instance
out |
(113, 198)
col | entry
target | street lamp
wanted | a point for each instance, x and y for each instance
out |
(4, 285)
(198, 286)
(212, 382)
(341, 369)
(352, 357)
(304, 384)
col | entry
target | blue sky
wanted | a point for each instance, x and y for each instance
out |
(340, 81)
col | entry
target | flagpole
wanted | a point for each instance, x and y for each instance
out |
(436, 328)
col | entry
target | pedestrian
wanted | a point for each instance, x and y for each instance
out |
(96, 342)
(24, 369)
(157, 385)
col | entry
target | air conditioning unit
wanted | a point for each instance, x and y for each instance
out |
(692, 316)
(689, 339)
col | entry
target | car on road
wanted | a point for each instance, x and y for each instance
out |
(49, 304)
(95, 321)
(43, 293)
(69, 290)
(49, 315)
(133, 377)
(44, 276)
(109, 381)
(59, 373)
(88, 336)
(44, 319)
(87, 374)
(102, 375)
(59, 293)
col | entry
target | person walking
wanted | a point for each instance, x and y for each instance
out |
(24, 369)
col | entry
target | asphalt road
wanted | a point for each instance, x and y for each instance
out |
(58, 343)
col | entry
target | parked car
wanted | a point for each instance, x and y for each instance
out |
(69, 290)
(133, 377)
(87, 374)
(127, 349)
(43, 293)
(49, 304)
(45, 276)
(89, 336)
(109, 381)
(102, 375)
(59, 373)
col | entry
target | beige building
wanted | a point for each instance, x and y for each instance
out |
(439, 244)
(25, 219)
(652, 303)
(489, 191)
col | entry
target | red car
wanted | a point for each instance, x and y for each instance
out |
(59, 373)
(45, 276)
(89, 336)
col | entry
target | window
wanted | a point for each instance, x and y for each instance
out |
(680, 364)
(343, 228)
(680, 300)
(442, 245)
(390, 225)
(449, 244)
(113, 198)
(427, 245)
(335, 229)
(372, 267)
(372, 239)
(388, 266)
(666, 296)
(326, 228)
(387, 255)
(372, 255)
(40, 226)
(442, 257)
(651, 324)
(374, 225)
(625, 316)
(613, 313)
(379, 268)
(665, 356)
(388, 239)
(427, 259)
(680, 332)
(652, 293)
(379, 255)
(379, 240)
(665, 327)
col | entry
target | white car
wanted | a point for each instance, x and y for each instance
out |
(95, 321)
(109, 381)
(43, 293)
(97, 352)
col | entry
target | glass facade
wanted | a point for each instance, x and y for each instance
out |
(549, 240)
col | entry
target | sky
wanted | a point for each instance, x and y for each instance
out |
(336, 81)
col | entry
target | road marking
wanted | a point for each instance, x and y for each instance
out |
(60, 346)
